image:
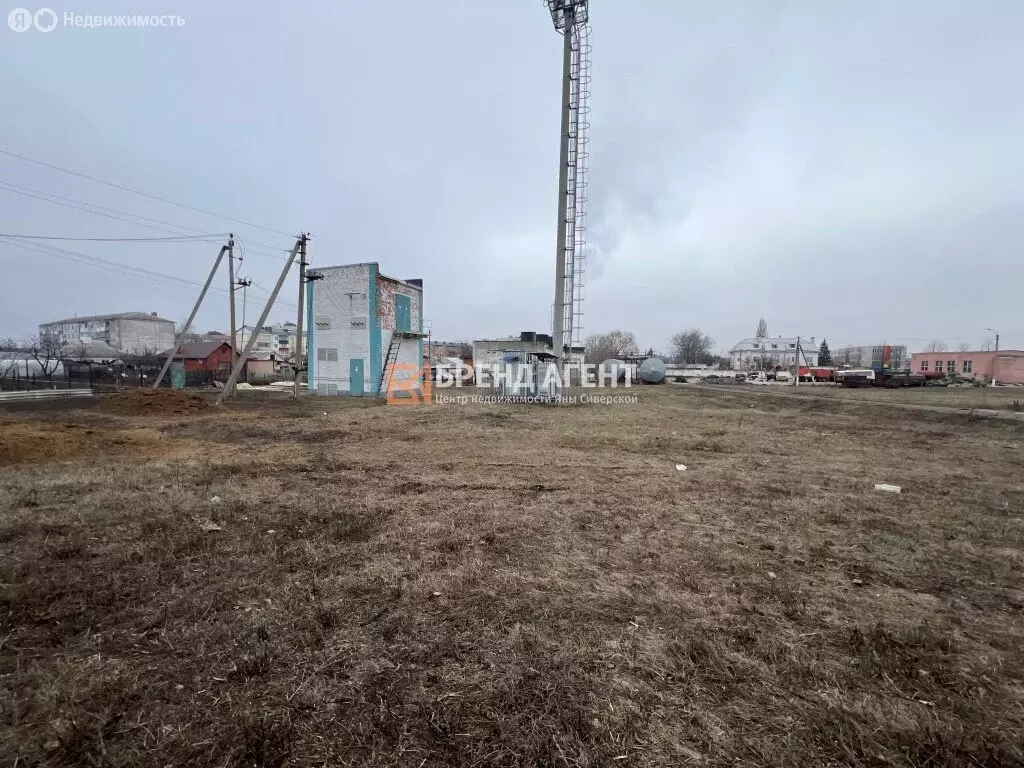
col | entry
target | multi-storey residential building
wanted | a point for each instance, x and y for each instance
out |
(132, 333)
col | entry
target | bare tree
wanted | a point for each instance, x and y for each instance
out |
(762, 329)
(614, 344)
(692, 346)
(963, 346)
(936, 346)
(10, 353)
(988, 345)
(46, 350)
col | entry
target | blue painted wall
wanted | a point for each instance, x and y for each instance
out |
(373, 326)
(310, 385)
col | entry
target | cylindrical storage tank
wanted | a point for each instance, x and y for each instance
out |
(652, 371)
(528, 336)
(612, 370)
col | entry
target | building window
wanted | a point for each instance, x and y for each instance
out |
(792, 346)
(775, 346)
(224, 366)
(924, 365)
(938, 366)
(951, 366)
(327, 354)
(968, 366)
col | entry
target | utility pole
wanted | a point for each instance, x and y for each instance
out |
(263, 319)
(243, 283)
(303, 240)
(796, 358)
(191, 317)
(231, 294)
(993, 360)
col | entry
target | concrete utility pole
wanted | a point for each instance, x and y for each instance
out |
(231, 294)
(243, 283)
(796, 357)
(191, 317)
(303, 240)
(240, 363)
(993, 360)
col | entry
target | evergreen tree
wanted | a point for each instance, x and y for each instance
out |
(824, 354)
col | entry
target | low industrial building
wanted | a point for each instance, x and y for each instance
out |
(864, 356)
(1004, 366)
(364, 328)
(768, 354)
(131, 333)
(490, 354)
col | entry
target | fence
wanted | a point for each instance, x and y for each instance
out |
(107, 378)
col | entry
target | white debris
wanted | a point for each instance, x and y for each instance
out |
(681, 467)
(888, 488)
(208, 526)
(772, 575)
(858, 582)
(271, 531)
(215, 499)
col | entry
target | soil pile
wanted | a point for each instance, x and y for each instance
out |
(154, 402)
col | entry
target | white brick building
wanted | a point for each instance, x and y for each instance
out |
(132, 333)
(360, 324)
(767, 353)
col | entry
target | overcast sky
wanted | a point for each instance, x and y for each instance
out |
(847, 169)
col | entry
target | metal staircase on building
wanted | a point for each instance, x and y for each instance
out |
(389, 363)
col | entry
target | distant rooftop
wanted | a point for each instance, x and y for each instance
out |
(195, 350)
(117, 316)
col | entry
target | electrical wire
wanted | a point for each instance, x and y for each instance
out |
(109, 266)
(144, 194)
(177, 239)
(117, 267)
(114, 213)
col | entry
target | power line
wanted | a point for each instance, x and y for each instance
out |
(177, 239)
(42, 247)
(144, 194)
(112, 266)
(114, 213)
(109, 266)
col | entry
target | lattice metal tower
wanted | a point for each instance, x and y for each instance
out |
(571, 19)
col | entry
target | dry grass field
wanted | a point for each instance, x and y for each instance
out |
(996, 398)
(336, 582)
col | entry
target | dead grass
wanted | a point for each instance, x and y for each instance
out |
(36, 443)
(519, 586)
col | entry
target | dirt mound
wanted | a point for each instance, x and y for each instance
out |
(154, 402)
(34, 443)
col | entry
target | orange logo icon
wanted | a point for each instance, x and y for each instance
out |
(409, 384)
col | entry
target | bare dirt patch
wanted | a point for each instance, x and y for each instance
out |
(153, 402)
(37, 443)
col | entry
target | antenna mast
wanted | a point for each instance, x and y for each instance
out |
(571, 20)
